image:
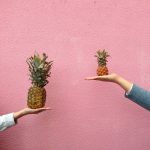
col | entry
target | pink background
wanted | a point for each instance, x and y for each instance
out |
(86, 115)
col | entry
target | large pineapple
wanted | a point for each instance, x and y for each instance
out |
(39, 69)
(102, 62)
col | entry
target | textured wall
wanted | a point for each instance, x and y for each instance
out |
(86, 115)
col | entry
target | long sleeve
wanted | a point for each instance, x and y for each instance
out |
(139, 96)
(6, 121)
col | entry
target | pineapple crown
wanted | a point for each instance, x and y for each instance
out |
(102, 57)
(39, 69)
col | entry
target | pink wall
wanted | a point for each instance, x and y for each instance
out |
(86, 115)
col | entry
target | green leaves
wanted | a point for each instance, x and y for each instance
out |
(39, 69)
(102, 57)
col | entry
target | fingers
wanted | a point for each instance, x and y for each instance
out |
(41, 109)
(37, 110)
(92, 78)
(95, 78)
(44, 108)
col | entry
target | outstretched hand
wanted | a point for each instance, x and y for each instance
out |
(34, 111)
(109, 78)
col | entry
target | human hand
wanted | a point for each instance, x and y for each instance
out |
(108, 78)
(27, 110)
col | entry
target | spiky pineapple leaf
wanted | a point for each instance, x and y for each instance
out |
(39, 69)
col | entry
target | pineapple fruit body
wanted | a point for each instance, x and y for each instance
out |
(102, 70)
(36, 97)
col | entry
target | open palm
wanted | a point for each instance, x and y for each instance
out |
(109, 78)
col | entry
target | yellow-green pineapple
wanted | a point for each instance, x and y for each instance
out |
(39, 69)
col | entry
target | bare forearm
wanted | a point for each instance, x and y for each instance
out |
(123, 83)
(19, 114)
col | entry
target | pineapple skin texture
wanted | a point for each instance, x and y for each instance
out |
(36, 97)
(102, 70)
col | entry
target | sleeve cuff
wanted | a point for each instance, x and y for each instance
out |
(10, 119)
(139, 96)
(129, 91)
(7, 121)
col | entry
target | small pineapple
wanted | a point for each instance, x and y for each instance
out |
(102, 62)
(39, 69)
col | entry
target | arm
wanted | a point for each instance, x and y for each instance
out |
(11, 119)
(135, 93)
